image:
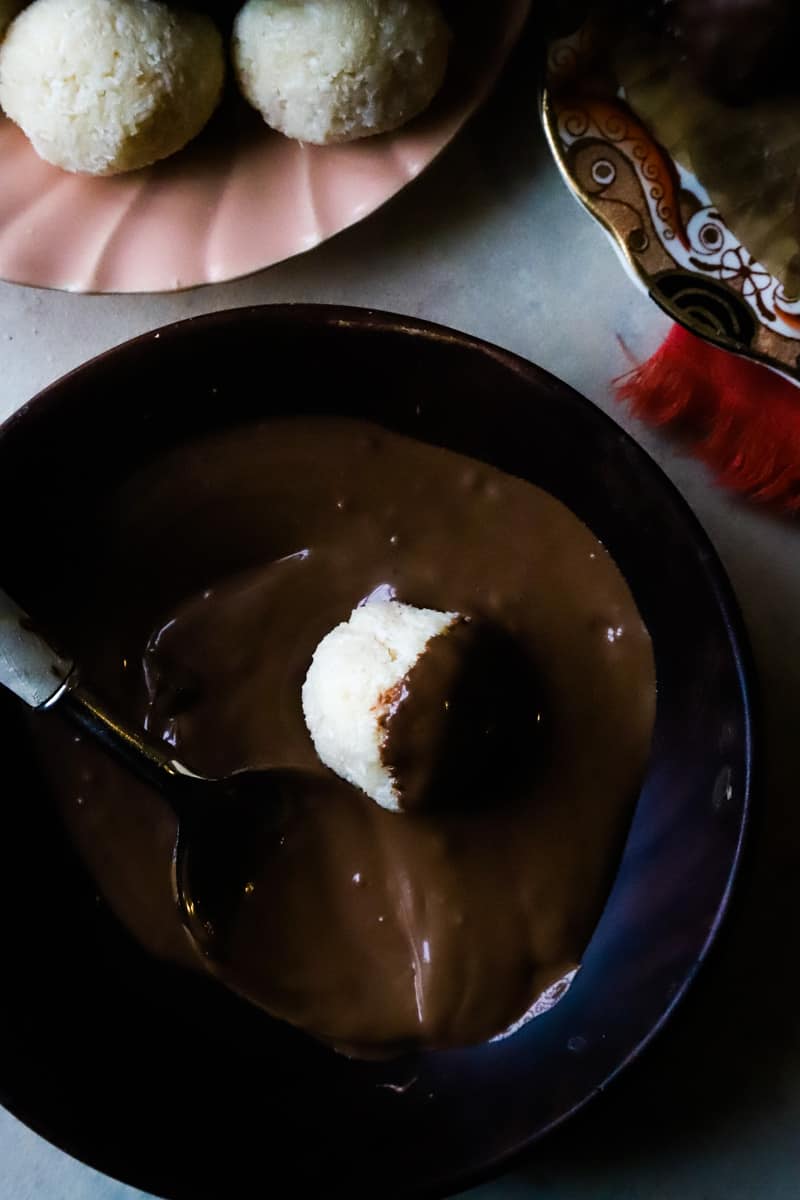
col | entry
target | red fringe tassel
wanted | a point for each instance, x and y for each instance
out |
(739, 417)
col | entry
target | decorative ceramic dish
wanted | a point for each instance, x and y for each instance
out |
(168, 1081)
(670, 234)
(239, 198)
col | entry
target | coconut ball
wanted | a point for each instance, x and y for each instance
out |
(358, 681)
(423, 710)
(105, 86)
(328, 71)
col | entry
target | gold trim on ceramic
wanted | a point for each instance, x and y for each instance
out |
(663, 222)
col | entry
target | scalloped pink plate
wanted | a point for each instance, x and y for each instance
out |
(240, 198)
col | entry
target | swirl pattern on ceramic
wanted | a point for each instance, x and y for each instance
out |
(671, 236)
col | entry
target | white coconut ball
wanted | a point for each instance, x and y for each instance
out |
(329, 71)
(354, 682)
(105, 86)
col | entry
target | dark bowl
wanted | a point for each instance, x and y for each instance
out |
(168, 1082)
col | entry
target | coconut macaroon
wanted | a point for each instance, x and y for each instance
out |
(106, 86)
(424, 710)
(328, 71)
(359, 681)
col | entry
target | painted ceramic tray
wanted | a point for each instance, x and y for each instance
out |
(670, 234)
(240, 197)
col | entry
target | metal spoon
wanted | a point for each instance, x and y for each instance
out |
(221, 821)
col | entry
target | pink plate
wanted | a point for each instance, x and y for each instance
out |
(238, 199)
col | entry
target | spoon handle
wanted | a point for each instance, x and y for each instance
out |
(144, 758)
(37, 674)
(29, 666)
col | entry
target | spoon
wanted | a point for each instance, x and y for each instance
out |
(222, 822)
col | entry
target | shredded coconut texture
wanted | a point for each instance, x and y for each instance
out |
(327, 71)
(105, 86)
(355, 678)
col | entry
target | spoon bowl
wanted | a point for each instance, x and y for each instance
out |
(225, 833)
(224, 824)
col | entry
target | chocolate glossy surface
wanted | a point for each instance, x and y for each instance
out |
(369, 929)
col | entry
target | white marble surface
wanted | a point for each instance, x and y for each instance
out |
(490, 242)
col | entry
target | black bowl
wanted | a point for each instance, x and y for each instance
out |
(170, 1083)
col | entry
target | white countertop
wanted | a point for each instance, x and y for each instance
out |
(490, 242)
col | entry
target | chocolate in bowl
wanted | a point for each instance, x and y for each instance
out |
(137, 1058)
(210, 577)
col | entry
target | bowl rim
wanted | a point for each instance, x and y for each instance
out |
(381, 322)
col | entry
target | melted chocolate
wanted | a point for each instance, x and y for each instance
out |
(440, 926)
(468, 723)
